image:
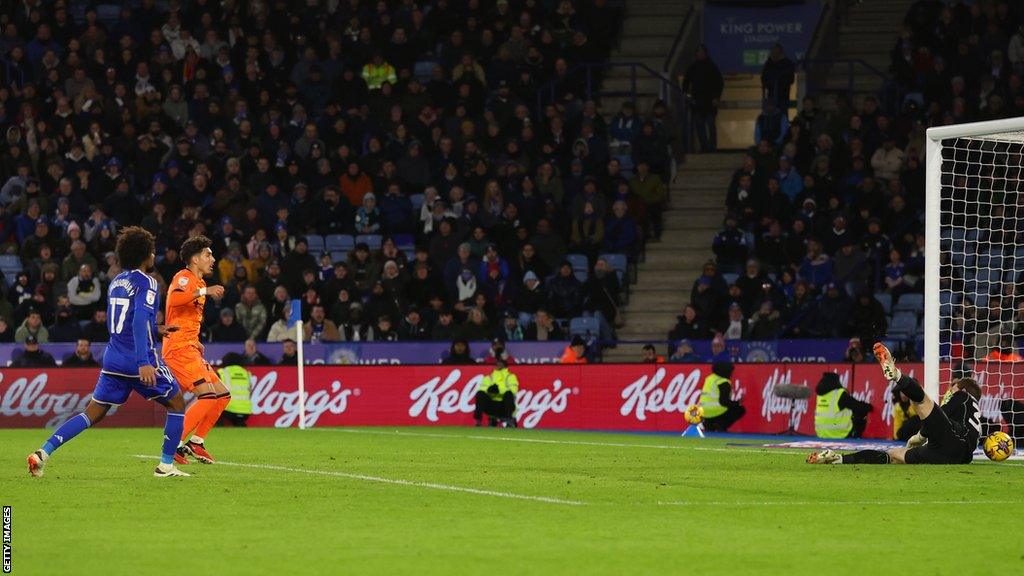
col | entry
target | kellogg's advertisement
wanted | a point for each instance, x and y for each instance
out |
(640, 397)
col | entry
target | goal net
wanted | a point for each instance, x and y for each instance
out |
(974, 297)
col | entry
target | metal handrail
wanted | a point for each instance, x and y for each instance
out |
(676, 41)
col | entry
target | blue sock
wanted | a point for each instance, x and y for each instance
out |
(173, 427)
(66, 432)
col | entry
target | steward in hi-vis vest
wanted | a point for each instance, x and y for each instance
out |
(496, 396)
(239, 381)
(837, 414)
(720, 410)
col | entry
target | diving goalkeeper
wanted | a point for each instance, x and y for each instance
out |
(948, 434)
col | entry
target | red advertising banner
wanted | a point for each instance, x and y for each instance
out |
(641, 397)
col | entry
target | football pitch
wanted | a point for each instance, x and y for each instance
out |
(490, 501)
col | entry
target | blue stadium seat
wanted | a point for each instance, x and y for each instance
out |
(372, 240)
(910, 303)
(339, 256)
(580, 266)
(885, 299)
(10, 262)
(316, 244)
(584, 326)
(336, 242)
(417, 203)
(903, 325)
(403, 241)
(730, 278)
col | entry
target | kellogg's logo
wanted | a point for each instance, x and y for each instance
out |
(644, 395)
(443, 396)
(27, 399)
(772, 404)
(266, 400)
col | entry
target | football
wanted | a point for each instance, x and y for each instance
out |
(998, 446)
(694, 414)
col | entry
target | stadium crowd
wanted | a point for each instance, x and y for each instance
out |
(824, 235)
(384, 162)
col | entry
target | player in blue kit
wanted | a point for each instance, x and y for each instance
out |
(130, 361)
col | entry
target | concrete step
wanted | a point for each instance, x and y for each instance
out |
(646, 85)
(668, 259)
(636, 25)
(653, 62)
(645, 45)
(669, 301)
(675, 10)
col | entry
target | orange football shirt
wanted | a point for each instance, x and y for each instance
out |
(182, 311)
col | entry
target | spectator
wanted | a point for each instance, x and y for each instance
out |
(498, 350)
(412, 327)
(652, 190)
(33, 356)
(319, 328)
(84, 292)
(382, 331)
(719, 353)
(544, 328)
(730, 245)
(649, 356)
(777, 76)
(65, 327)
(227, 330)
(766, 324)
(252, 356)
(854, 351)
(289, 353)
(81, 357)
(867, 317)
(689, 326)
(96, 329)
(32, 326)
(575, 352)
(735, 326)
(684, 354)
(458, 354)
(510, 329)
(445, 327)
(703, 82)
(565, 293)
(250, 313)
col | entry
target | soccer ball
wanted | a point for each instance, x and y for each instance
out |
(998, 446)
(694, 414)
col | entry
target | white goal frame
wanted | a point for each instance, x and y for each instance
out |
(933, 237)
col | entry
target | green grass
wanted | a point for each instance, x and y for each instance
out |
(644, 507)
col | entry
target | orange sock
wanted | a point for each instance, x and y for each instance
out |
(212, 415)
(195, 415)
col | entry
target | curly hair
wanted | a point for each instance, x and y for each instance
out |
(193, 246)
(134, 247)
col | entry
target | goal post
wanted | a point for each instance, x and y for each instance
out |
(974, 248)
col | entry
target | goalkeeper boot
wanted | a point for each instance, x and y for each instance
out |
(181, 456)
(825, 456)
(167, 471)
(36, 461)
(198, 451)
(885, 360)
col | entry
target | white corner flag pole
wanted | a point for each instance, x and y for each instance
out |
(302, 382)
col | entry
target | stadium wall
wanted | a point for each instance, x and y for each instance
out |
(636, 397)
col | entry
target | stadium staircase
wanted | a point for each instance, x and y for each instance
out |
(647, 36)
(866, 34)
(671, 266)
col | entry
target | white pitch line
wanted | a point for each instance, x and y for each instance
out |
(567, 442)
(843, 503)
(394, 481)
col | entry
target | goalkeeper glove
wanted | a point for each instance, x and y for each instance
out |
(884, 357)
(916, 440)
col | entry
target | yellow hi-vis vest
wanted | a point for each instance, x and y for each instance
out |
(237, 380)
(709, 396)
(505, 380)
(829, 420)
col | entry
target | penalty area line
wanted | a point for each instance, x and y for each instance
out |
(563, 442)
(394, 482)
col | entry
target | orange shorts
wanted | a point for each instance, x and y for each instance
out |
(189, 367)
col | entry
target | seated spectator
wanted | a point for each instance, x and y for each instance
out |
(648, 355)
(684, 354)
(250, 313)
(476, 327)
(65, 327)
(854, 351)
(33, 326)
(412, 327)
(587, 233)
(689, 326)
(730, 246)
(319, 328)
(458, 354)
(652, 190)
(766, 324)
(279, 330)
(382, 331)
(719, 353)
(867, 318)
(565, 293)
(620, 231)
(82, 356)
(33, 356)
(543, 328)
(227, 330)
(367, 219)
(831, 314)
(289, 353)
(252, 356)
(892, 275)
(575, 352)
(445, 327)
(510, 330)
(96, 329)
(530, 299)
(6, 331)
(816, 268)
(735, 327)
(84, 292)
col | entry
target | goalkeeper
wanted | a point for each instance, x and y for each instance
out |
(948, 434)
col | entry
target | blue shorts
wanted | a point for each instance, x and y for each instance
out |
(114, 390)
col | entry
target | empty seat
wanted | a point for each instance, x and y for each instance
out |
(910, 303)
(730, 278)
(417, 203)
(372, 240)
(885, 299)
(903, 325)
(403, 241)
(342, 242)
(316, 243)
(584, 326)
(580, 266)
(339, 256)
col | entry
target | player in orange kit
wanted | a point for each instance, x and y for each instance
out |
(183, 352)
